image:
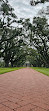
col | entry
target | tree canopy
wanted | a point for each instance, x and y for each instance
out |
(35, 2)
(27, 41)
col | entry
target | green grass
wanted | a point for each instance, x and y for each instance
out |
(39, 69)
(5, 70)
(42, 70)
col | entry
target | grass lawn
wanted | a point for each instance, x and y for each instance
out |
(4, 70)
(42, 70)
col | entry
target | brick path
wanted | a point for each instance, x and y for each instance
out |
(24, 90)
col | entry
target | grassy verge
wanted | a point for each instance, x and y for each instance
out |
(42, 70)
(5, 70)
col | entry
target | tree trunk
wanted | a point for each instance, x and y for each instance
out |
(6, 64)
(11, 63)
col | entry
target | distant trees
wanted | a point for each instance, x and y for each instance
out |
(34, 57)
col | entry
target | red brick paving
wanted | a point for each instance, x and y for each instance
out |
(24, 90)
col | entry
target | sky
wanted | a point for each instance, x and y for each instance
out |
(23, 9)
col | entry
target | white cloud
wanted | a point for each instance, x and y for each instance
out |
(23, 9)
